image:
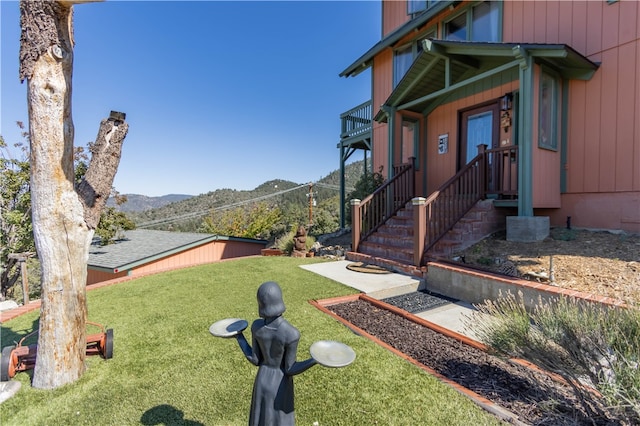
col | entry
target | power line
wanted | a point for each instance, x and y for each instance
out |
(201, 213)
(194, 215)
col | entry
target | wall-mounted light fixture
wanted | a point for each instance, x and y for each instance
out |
(506, 101)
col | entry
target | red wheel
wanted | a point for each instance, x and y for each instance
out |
(7, 369)
(108, 344)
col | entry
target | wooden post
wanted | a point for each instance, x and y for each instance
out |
(22, 259)
(355, 224)
(25, 282)
(310, 197)
(419, 228)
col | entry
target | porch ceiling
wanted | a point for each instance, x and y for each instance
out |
(445, 66)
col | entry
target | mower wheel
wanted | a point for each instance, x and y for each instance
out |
(6, 372)
(108, 345)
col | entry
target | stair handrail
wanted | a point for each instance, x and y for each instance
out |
(375, 209)
(447, 205)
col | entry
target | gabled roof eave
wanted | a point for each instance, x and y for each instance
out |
(365, 61)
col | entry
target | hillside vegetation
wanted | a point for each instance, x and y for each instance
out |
(291, 198)
(139, 203)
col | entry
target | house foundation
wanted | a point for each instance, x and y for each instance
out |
(527, 228)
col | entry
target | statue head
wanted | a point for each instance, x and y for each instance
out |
(270, 303)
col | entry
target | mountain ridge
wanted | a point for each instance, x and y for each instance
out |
(165, 212)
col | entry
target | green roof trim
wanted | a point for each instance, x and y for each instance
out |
(444, 67)
(365, 61)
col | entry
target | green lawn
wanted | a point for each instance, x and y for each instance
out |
(168, 370)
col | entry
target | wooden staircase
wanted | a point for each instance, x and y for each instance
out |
(482, 220)
(394, 239)
(391, 246)
(393, 229)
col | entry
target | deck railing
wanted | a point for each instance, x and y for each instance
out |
(491, 172)
(502, 171)
(454, 199)
(356, 121)
(383, 203)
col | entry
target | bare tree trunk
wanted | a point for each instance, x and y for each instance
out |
(61, 231)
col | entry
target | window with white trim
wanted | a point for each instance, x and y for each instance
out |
(404, 56)
(477, 23)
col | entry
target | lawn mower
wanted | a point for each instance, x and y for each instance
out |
(21, 357)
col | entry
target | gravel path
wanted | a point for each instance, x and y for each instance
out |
(416, 301)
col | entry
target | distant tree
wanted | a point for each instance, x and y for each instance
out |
(365, 186)
(326, 217)
(65, 214)
(256, 221)
(16, 233)
(112, 223)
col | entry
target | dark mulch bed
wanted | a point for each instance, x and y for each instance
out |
(531, 395)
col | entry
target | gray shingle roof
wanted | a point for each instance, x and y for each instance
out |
(141, 246)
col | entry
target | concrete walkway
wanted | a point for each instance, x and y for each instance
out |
(451, 315)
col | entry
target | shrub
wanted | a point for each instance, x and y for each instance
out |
(285, 242)
(592, 346)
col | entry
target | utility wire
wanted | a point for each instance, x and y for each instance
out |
(201, 213)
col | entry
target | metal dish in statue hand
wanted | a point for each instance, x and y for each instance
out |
(332, 354)
(228, 327)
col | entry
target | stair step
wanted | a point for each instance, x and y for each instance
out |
(391, 240)
(384, 251)
(405, 213)
(401, 221)
(392, 265)
(401, 231)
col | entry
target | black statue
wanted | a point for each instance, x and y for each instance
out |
(273, 350)
(274, 346)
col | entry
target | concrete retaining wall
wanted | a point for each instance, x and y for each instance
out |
(476, 287)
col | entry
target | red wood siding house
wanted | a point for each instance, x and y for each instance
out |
(551, 89)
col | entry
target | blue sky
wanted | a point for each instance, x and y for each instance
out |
(217, 94)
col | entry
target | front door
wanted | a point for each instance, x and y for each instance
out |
(480, 126)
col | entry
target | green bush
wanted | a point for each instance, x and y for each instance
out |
(592, 346)
(285, 242)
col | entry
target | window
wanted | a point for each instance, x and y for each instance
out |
(484, 20)
(404, 56)
(409, 141)
(416, 6)
(402, 60)
(547, 112)
(478, 23)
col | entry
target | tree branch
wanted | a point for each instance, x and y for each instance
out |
(95, 187)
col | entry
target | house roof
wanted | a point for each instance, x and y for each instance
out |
(444, 66)
(365, 61)
(142, 246)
